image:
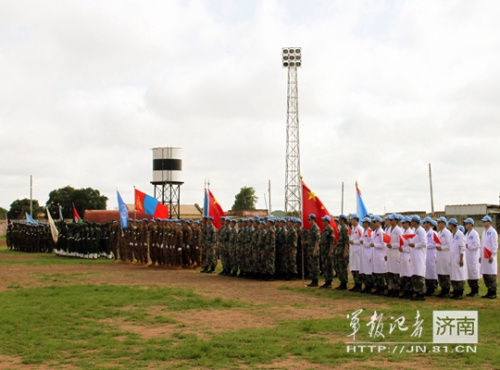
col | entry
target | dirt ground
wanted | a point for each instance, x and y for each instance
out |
(273, 302)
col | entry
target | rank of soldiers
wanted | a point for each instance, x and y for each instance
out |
(398, 256)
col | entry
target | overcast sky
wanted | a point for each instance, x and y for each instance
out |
(87, 88)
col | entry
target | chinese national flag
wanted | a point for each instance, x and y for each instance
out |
(404, 237)
(312, 204)
(386, 238)
(214, 209)
(487, 253)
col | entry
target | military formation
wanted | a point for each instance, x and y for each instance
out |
(398, 256)
(29, 238)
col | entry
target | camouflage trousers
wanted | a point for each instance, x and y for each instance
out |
(224, 258)
(405, 284)
(418, 284)
(233, 258)
(357, 277)
(473, 284)
(326, 264)
(269, 264)
(312, 263)
(367, 279)
(393, 281)
(490, 280)
(340, 264)
(458, 285)
(290, 262)
(444, 282)
(430, 285)
(379, 281)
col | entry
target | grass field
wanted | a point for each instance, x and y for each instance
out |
(58, 312)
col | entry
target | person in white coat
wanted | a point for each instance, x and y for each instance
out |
(472, 255)
(379, 255)
(418, 245)
(393, 257)
(489, 248)
(404, 259)
(443, 257)
(355, 252)
(366, 265)
(458, 272)
(431, 276)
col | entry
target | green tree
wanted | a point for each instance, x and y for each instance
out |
(245, 199)
(19, 207)
(85, 198)
(3, 213)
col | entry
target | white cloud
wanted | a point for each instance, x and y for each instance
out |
(88, 88)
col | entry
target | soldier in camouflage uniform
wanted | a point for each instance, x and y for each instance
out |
(312, 250)
(326, 244)
(269, 250)
(290, 250)
(341, 253)
(223, 245)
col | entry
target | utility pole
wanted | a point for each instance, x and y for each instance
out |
(432, 193)
(31, 195)
(269, 194)
(342, 200)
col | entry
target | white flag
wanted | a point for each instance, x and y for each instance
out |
(53, 228)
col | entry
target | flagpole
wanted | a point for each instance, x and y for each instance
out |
(135, 208)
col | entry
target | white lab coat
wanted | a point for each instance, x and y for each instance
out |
(355, 248)
(489, 240)
(430, 259)
(472, 254)
(404, 259)
(379, 252)
(443, 255)
(367, 253)
(457, 247)
(417, 253)
(393, 254)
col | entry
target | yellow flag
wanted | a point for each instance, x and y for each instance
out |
(53, 228)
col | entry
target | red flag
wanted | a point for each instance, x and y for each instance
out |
(214, 209)
(487, 253)
(436, 239)
(402, 238)
(312, 204)
(77, 217)
(386, 238)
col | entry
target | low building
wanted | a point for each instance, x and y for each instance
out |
(476, 212)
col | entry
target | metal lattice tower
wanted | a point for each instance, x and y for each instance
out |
(291, 59)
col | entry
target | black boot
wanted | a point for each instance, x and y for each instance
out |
(342, 286)
(459, 295)
(205, 269)
(473, 292)
(313, 283)
(356, 288)
(406, 295)
(445, 293)
(418, 297)
(491, 294)
(327, 284)
(212, 269)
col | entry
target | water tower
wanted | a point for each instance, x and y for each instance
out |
(167, 175)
